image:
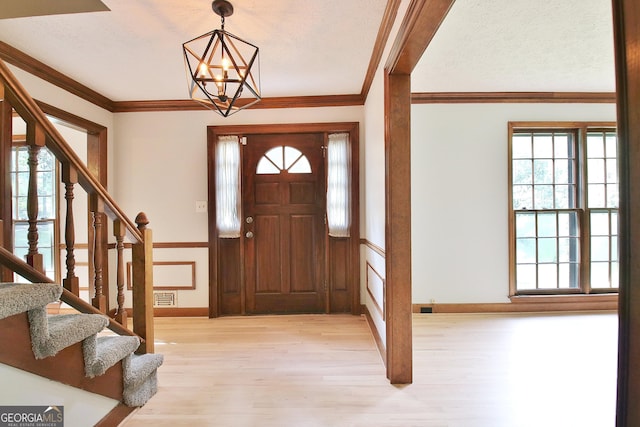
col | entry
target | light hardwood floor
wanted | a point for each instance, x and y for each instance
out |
(472, 370)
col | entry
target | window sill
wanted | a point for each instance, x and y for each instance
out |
(607, 301)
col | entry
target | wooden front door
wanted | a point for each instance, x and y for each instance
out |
(283, 223)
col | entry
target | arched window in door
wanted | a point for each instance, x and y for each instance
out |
(283, 158)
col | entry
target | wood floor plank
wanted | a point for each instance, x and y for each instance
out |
(470, 370)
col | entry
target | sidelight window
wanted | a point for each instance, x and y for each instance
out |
(338, 185)
(228, 186)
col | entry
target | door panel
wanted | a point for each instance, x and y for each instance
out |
(284, 255)
(267, 247)
(302, 253)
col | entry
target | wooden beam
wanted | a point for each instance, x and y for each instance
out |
(422, 20)
(626, 26)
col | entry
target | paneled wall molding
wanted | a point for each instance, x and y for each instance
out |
(376, 289)
(375, 248)
(184, 270)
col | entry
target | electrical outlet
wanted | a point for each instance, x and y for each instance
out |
(201, 206)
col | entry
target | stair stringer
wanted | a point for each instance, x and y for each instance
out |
(67, 349)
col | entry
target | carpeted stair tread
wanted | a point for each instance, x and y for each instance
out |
(140, 378)
(50, 334)
(101, 353)
(140, 395)
(20, 297)
(137, 367)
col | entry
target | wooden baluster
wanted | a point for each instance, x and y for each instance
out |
(99, 300)
(35, 141)
(142, 254)
(70, 178)
(119, 232)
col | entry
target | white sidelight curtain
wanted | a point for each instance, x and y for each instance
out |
(228, 186)
(339, 185)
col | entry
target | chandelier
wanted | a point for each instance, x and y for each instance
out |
(223, 70)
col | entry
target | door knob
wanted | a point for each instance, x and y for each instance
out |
(249, 234)
(249, 219)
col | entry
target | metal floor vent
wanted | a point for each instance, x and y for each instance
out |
(165, 299)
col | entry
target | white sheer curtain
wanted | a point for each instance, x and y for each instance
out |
(339, 185)
(228, 186)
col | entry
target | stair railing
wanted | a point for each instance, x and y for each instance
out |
(9, 260)
(41, 132)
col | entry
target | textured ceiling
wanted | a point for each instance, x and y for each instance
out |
(313, 47)
(521, 45)
(134, 52)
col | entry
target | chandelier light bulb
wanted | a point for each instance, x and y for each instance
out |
(203, 70)
(225, 64)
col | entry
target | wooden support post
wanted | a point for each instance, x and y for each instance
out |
(70, 178)
(422, 20)
(119, 231)
(143, 286)
(99, 300)
(626, 30)
(398, 229)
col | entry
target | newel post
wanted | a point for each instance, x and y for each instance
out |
(142, 257)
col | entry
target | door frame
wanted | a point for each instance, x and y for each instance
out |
(214, 242)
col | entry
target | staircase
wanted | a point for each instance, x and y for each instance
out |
(72, 348)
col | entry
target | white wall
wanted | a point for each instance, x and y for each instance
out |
(373, 264)
(459, 195)
(157, 163)
(81, 408)
(53, 95)
(160, 161)
(372, 197)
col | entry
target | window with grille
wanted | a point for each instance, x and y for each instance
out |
(283, 158)
(47, 204)
(564, 209)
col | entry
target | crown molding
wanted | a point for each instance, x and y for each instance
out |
(39, 69)
(389, 17)
(265, 103)
(512, 97)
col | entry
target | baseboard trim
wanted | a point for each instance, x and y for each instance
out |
(172, 312)
(528, 304)
(376, 336)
